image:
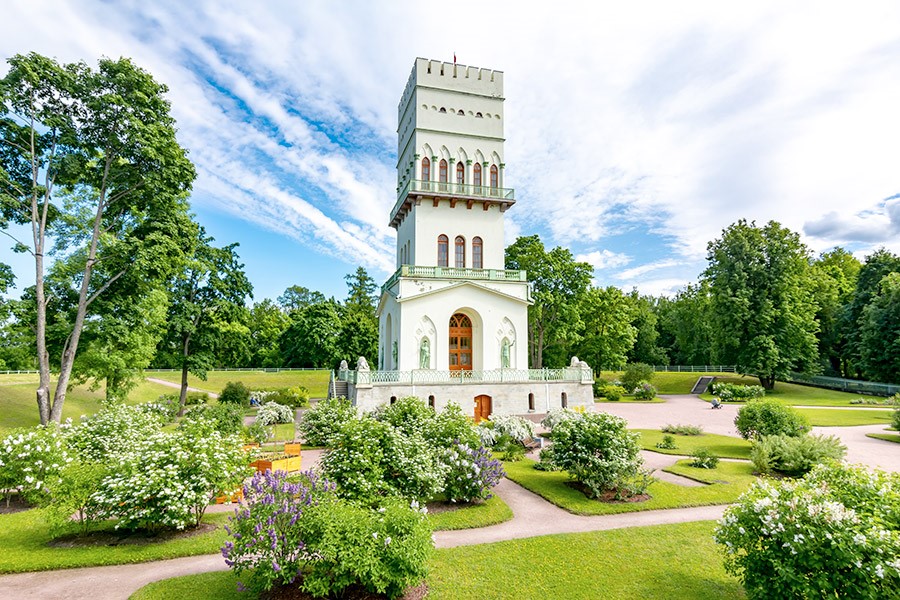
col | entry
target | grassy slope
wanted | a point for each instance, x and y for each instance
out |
(721, 445)
(668, 383)
(552, 486)
(638, 563)
(794, 394)
(825, 417)
(24, 537)
(315, 381)
(490, 512)
(18, 407)
(888, 437)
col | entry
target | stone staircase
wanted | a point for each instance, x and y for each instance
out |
(337, 389)
(702, 384)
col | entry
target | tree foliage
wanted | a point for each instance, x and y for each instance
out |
(608, 334)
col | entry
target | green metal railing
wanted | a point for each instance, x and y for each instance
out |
(454, 273)
(430, 376)
(485, 192)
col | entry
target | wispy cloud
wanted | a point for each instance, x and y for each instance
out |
(604, 259)
(644, 269)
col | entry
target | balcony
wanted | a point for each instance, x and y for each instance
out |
(435, 377)
(421, 272)
(415, 190)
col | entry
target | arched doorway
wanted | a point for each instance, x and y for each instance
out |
(482, 408)
(460, 343)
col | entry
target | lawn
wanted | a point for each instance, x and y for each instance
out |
(723, 446)
(657, 400)
(668, 383)
(24, 537)
(315, 381)
(628, 564)
(888, 437)
(825, 417)
(552, 486)
(18, 407)
(794, 394)
(491, 512)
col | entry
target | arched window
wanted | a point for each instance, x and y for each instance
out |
(431, 401)
(479, 116)
(443, 110)
(476, 175)
(477, 261)
(460, 113)
(460, 247)
(564, 399)
(442, 171)
(426, 169)
(443, 251)
(460, 173)
(531, 402)
(494, 177)
(393, 399)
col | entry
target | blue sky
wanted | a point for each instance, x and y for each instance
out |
(635, 131)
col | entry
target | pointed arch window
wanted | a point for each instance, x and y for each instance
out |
(476, 175)
(460, 247)
(442, 171)
(460, 173)
(443, 250)
(426, 169)
(477, 253)
(495, 178)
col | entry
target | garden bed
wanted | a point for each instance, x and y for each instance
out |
(292, 592)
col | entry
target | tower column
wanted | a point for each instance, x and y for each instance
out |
(417, 168)
(469, 172)
(500, 174)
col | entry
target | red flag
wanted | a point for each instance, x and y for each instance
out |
(454, 58)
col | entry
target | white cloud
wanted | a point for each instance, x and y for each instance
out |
(644, 269)
(604, 259)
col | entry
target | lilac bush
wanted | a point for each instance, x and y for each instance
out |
(472, 472)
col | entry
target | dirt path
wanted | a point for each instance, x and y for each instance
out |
(177, 386)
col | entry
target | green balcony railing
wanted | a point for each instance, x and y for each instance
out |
(432, 376)
(463, 190)
(422, 272)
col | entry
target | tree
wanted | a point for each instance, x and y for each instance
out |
(879, 333)
(762, 308)
(267, 323)
(558, 284)
(359, 323)
(104, 143)
(687, 321)
(608, 334)
(877, 265)
(296, 297)
(312, 339)
(835, 274)
(645, 322)
(207, 303)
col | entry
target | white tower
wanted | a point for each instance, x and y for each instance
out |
(451, 305)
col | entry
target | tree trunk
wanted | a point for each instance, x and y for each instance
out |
(43, 391)
(767, 381)
(185, 350)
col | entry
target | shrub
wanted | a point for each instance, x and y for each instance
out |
(235, 392)
(667, 443)
(634, 374)
(645, 391)
(558, 415)
(196, 398)
(256, 433)
(510, 449)
(449, 427)
(763, 417)
(225, 418)
(833, 534)
(167, 481)
(794, 455)
(471, 473)
(295, 397)
(703, 458)
(369, 459)
(71, 495)
(320, 423)
(113, 430)
(30, 461)
(729, 392)
(597, 450)
(598, 386)
(165, 408)
(409, 415)
(683, 429)
(896, 423)
(613, 392)
(517, 428)
(272, 413)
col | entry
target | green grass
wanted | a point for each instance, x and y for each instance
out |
(723, 446)
(666, 382)
(735, 478)
(490, 512)
(18, 407)
(824, 417)
(795, 394)
(24, 537)
(641, 563)
(315, 381)
(657, 400)
(888, 437)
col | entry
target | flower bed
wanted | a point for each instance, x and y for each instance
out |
(279, 463)
(292, 448)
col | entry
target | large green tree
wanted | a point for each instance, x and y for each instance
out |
(296, 297)
(879, 333)
(876, 267)
(92, 151)
(835, 274)
(558, 284)
(762, 307)
(608, 333)
(207, 305)
(646, 348)
(686, 321)
(359, 324)
(313, 339)
(267, 322)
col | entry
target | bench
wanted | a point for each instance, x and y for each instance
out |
(531, 443)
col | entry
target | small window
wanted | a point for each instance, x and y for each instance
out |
(460, 173)
(442, 171)
(479, 116)
(443, 110)
(476, 175)
(460, 246)
(477, 260)
(564, 398)
(393, 399)
(426, 169)
(460, 113)
(531, 402)
(494, 177)
(443, 250)
(431, 401)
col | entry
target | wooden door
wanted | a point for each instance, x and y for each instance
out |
(482, 408)
(460, 343)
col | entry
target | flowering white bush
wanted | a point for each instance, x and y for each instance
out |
(517, 428)
(167, 480)
(833, 534)
(30, 459)
(558, 415)
(728, 392)
(113, 430)
(471, 473)
(272, 413)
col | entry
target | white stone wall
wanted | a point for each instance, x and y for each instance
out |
(506, 398)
